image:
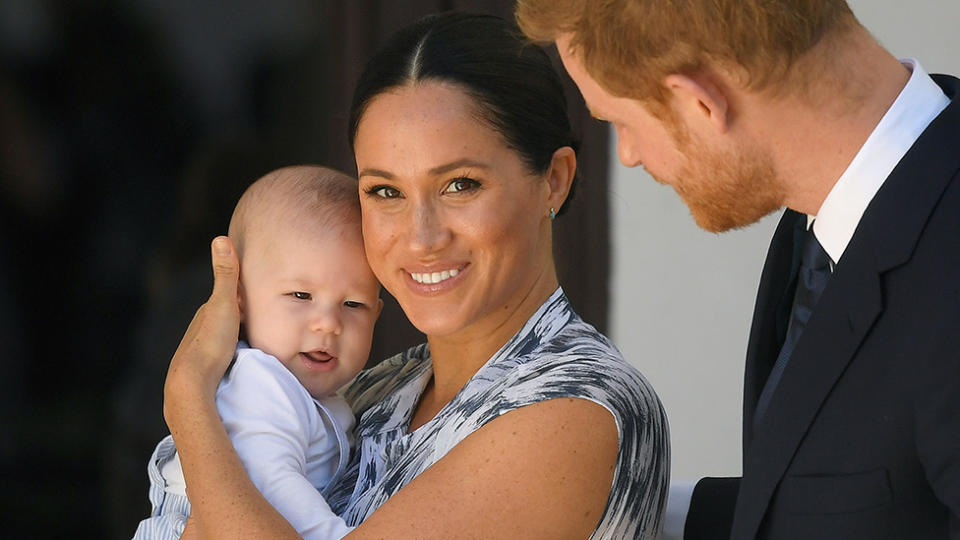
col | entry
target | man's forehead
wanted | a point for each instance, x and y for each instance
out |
(564, 44)
(571, 61)
(585, 83)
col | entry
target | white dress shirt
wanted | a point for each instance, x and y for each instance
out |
(920, 101)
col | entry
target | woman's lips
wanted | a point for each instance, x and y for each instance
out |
(318, 360)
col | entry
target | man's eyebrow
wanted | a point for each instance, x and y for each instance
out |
(594, 113)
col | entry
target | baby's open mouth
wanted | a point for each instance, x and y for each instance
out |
(317, 356)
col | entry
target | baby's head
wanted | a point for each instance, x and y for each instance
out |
(307, 295)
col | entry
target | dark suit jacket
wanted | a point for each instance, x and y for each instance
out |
(862, 436)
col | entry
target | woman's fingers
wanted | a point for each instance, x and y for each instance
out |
(226, 271)
(209, 342)
(221, 314)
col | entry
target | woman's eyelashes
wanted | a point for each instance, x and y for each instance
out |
(383, 192)
(461, 185)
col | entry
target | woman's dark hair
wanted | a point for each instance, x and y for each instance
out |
(513, 81)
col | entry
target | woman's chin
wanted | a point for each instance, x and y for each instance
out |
(433, 324)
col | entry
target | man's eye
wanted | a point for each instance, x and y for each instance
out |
(459, 185)
(384, 192)
(352, 304)
(299, 295)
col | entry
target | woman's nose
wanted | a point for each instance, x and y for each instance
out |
(326, 319)
(428, 232)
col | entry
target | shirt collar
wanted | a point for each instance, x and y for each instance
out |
(920, 101)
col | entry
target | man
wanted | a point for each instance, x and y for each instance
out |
(851, 425)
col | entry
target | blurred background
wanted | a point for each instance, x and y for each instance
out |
(128, 129)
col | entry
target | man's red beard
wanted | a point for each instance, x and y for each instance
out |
(725, 190)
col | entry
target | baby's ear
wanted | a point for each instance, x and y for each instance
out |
(240, 303)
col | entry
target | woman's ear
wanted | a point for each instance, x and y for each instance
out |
(563, 168)
(699, 100)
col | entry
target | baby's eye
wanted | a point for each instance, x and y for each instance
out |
(384, 192)
(300, 295)
(459, 185)
(352, 304)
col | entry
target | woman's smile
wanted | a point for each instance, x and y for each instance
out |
(455, 224)
(434, 277)
(434, 282)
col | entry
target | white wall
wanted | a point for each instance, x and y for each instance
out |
(682, 298)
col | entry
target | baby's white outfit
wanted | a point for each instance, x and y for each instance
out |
(292, 445)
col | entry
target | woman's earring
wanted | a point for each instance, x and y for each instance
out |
(553, 213)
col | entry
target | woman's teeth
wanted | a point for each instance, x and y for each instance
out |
(433, 277)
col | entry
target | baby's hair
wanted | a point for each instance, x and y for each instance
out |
(301, 196)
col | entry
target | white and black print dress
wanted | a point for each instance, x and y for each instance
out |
(555, 355)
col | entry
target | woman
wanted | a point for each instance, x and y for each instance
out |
(516, 419)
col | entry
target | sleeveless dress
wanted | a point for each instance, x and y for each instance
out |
(554, 355)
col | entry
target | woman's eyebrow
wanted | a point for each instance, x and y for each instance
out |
(436, 171)
(465, 162)
(375, 172)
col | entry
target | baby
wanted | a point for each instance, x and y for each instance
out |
(309, 302)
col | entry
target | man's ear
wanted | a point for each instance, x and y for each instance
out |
(563, 168)
(698, 100)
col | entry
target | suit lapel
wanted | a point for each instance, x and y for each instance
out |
(846, 312)
(851, 303)
(772, 311)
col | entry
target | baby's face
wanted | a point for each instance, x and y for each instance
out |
(311, 301)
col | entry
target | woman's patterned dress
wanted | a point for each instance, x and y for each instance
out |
(555, 355)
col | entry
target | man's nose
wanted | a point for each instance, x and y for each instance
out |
(627, 149)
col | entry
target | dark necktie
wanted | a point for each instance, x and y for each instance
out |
(811, 280)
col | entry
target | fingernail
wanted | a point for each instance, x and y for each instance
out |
(221, 246)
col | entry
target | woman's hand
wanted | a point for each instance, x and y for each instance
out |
(224, 503)
(210, 340)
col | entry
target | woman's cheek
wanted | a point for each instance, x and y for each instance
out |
(378, 236)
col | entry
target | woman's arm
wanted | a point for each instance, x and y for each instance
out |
(224, 502)
(540, 471)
